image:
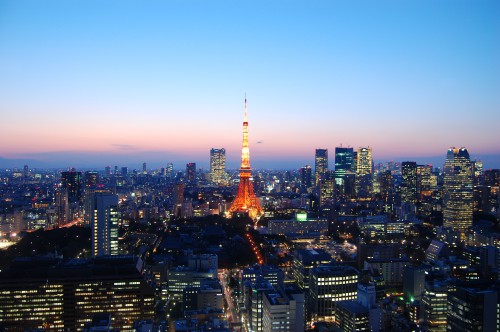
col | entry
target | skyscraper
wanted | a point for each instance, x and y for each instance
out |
(72, 182)
(409, 182)
(104, 224)
(218, 166)
(305, 179)
(191, 173)
(170, 171)
(364, 173)
(91, 179)
(62, 206)
(327, 188)
(457, 190)
(477, 168)
(245, 200)
(343, 163)
(386, 189)
(320, 165)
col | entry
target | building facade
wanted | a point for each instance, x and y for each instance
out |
(457, 190)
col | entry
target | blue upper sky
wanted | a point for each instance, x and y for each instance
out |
(88, 83)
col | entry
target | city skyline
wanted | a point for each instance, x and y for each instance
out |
(92, 84)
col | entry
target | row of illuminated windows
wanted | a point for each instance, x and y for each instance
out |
(354, 277)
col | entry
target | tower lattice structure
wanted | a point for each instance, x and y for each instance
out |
(245, 200)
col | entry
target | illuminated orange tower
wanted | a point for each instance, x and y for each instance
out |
(245, 200)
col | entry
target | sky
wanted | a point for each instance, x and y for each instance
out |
(95, 83)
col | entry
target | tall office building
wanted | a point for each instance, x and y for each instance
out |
(170, 170)
(89, 203)
(144, 168)
(26, 172)
(191, 173)
(91, 179)
(329, 284)
(62, 206)
(409, 182)
(218, 166)
(257, 294)
(306, 259)
(104, 224)
(457, 190)
(320, 165)
(352, 316)
(477, 171)
(386, 190)
(472, 309)
(364, 173)
(72, 182)
(284, 310)
(326, 189)
(435, 306)
(305, 179)
(47, 295)
(343, 163)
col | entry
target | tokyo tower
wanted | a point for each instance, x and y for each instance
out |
(245, 200)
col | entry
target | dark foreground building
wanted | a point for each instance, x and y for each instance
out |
(65, 296)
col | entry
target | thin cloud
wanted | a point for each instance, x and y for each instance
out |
(124, 146)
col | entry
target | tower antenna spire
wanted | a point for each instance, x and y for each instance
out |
(245, 118)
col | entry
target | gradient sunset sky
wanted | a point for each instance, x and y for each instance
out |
(95, 83)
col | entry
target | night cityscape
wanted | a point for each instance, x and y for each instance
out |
(166, 166)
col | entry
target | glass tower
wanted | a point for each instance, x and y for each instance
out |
(457, 190)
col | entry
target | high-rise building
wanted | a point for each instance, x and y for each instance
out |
(320, 165)
(351, 316)
(26, 172)
(477, 171)
(457, 190)
(208, 295)
(245, 200)
(413, 283)
(170, 170)
(62, 206)
(124, 171)
(104, 224)
(270, 273)
(343, 163)
(218, 166)
(89, 203)
(306, 259)
(409, 182)
(364, 173)
(435, 306)
(47, 295)
(91, 179)
(326, 189)
(386, 190)
(257, 294)
(72, 182)
(329, 284)
(284, 310)
(191, 173)
(144, 168)
(472, 309)
(305, 179)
